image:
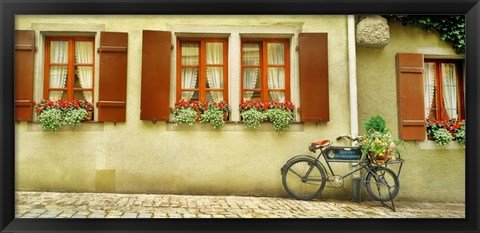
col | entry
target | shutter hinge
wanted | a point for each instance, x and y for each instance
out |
(171, 47)
(297, 48)
(298, 110)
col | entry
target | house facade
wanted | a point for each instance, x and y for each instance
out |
(134, 69)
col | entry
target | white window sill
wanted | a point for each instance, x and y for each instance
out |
(232, 126)
(431, 145)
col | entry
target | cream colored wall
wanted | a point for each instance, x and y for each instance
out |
(430, 173)
(138, 156)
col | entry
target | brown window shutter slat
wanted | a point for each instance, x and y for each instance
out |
(314, 102)
(112, 88)
(156, 54)
(24, 62)
(411, 110)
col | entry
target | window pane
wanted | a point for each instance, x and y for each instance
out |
(189, 77)
(58, 76)
(430, 88)
(251, 78)
(214, 96)
(276, 53)
(214, 77)
(59, 52)
(449, 80)
(276, 96)
(214, 52)
(56, 95)
(83, 77)
(84, 95)
(190, 54)
(251, 54)
(84, 52)
(190, 95)
(251, 95)
(276, 78)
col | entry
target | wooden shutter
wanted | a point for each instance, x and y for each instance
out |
(113, 77)
(314, 102)
(24, 59)
(411, 110)
(156, 54)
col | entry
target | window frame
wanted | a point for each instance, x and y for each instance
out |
(202, 67)
(439, 84)
(70, 87)
(264, 90)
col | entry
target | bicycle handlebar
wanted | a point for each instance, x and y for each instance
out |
(355, 139)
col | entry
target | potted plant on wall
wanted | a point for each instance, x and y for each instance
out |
(252, 113)
(185, 113)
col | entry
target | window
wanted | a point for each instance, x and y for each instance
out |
(443, 91)
(69, 68)
(202, 69)
(265, 70)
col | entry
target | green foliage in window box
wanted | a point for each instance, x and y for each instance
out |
(54, 114)
(279, 113)
(442, 136)
(189, 112)
(184, 116)
(450, 28)
(460, 136)
(280, 118)
(253, 117)
(51, 119)
(214, 116)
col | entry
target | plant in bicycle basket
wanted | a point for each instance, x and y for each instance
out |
(377, 142)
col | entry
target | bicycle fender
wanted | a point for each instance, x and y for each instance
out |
(296, 157)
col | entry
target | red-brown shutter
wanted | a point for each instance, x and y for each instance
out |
(156, 54)
(411, 110)
(24, 59)
(314, 102)
(113, 77)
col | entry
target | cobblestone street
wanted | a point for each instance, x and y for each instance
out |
(103, 205)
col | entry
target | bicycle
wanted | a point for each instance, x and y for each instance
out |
(304, 177)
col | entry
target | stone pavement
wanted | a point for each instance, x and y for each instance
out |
(105, 205)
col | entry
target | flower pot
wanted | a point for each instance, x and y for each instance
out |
(225, 116)
(89, 116)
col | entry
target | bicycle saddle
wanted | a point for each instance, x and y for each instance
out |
(321, 143)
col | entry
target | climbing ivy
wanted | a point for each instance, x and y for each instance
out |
(450, 28)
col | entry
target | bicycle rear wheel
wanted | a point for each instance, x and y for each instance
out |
(383, 186)
(303, 178)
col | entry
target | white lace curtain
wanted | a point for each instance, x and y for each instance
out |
(251, 56)
(84, 55)
(429, 90)
(276, 75)
(190, 56)
(450, 89)
(215, 73)
(58, 74)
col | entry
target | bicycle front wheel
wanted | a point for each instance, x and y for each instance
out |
(382, 185)
(303, 178)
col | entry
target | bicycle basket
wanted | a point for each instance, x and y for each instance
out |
(343, 154)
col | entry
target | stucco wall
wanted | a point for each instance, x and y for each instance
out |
(430, 173)
(139, 156)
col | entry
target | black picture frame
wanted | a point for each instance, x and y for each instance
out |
(10, 8)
